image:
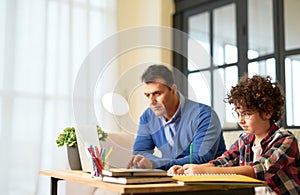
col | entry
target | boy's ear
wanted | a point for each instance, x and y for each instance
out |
(268, 114)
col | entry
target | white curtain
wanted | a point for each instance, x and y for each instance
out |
(42, 45)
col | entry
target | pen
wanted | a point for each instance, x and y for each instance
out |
(103, 154)
(98, 155)
(108, 155)
(93, 163)
(98, 165)
(191, 152)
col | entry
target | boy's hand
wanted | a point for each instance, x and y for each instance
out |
(176, 169)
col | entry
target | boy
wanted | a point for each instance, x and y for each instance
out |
(263, 151)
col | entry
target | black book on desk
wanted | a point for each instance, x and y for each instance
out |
(123, 172)
(135, 176)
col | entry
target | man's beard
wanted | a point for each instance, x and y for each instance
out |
(158, 109)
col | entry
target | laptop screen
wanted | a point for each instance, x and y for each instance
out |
(86, 136)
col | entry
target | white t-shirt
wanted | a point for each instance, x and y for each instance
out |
(260, 190)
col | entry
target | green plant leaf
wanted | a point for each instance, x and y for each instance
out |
(101, 134)
(68, 136)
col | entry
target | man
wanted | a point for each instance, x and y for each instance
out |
(173, 123)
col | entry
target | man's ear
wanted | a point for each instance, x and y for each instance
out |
(174, 88)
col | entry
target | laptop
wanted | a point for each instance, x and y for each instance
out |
(86, 136)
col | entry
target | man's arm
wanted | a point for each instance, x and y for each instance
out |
(208, 140)
(144, 144)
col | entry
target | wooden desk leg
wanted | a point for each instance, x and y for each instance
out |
(53, 190)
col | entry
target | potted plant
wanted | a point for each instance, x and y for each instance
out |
(68, 138)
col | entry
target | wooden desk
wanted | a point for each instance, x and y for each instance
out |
(157, 188)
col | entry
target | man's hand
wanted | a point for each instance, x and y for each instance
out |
(139, 161)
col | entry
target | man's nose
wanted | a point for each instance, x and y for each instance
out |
(152, 99)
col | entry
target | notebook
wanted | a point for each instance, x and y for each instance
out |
(135, 176)
(86, 136)
(217, 179)
(136, 180)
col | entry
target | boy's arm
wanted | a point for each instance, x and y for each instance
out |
(200, 169)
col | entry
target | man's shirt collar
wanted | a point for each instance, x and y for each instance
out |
(178, 111)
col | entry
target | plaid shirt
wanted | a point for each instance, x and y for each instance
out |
(279, 164)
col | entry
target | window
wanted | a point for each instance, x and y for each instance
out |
(253, 37)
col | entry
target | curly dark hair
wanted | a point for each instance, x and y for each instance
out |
(258, 94)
